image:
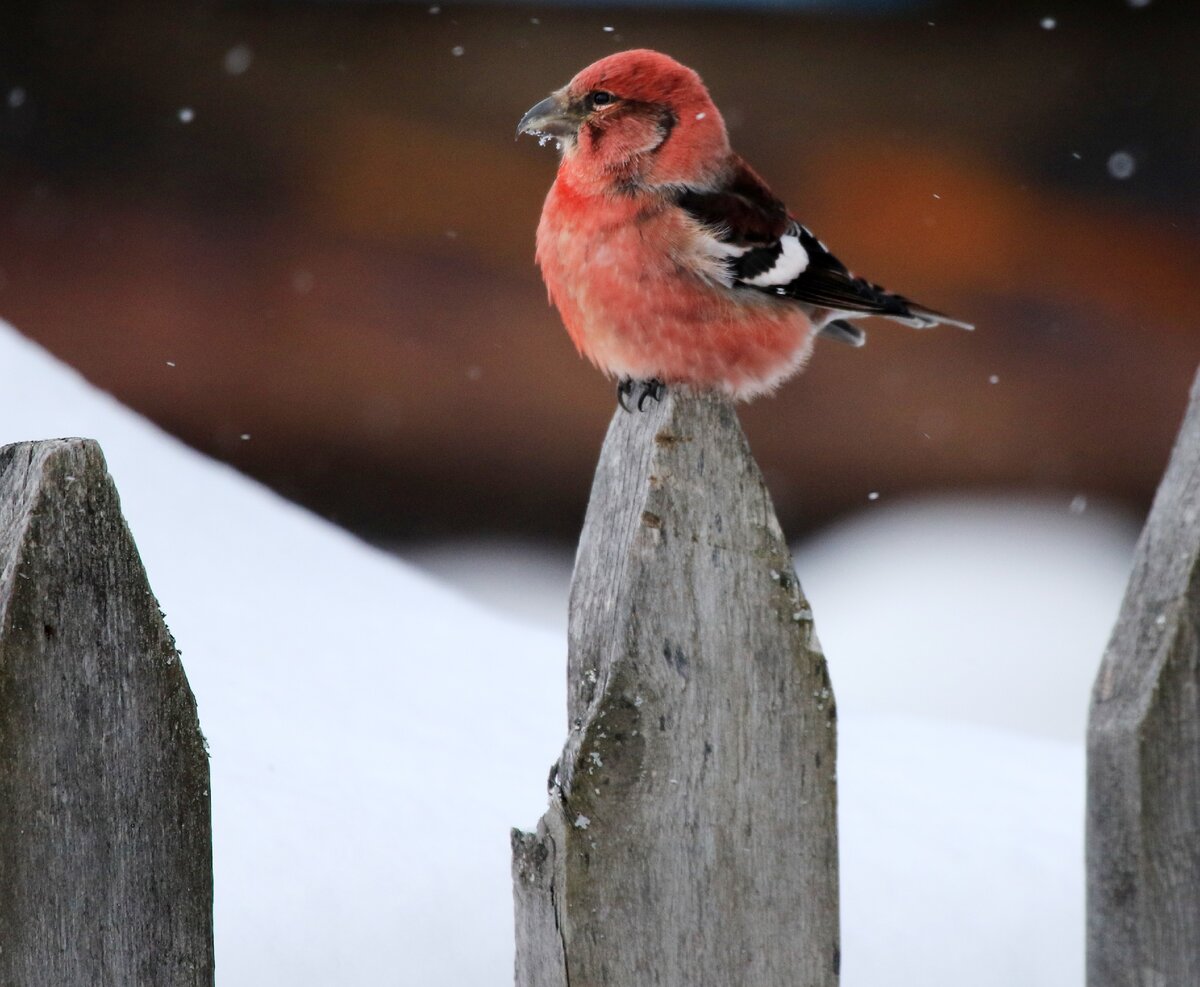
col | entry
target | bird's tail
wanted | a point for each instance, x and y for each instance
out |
(920, 317)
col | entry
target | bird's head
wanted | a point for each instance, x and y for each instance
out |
(636, 118)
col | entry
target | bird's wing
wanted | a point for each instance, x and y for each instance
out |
(768, 251)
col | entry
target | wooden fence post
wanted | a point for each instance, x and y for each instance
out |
(691, 838)
(1143, 813)
(105, 850)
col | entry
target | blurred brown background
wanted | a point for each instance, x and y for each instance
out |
(309, 224)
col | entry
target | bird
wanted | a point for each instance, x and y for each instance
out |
(669, 260)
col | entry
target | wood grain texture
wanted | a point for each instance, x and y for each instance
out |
(691, 839)
(1143, 814)
(105, 847)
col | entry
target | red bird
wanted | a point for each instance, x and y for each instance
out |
(669, 259)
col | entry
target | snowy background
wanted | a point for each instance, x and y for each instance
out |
(377, 724)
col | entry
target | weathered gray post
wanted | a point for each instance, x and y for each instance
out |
(1143, 816)
(105, 854)
(691, 838)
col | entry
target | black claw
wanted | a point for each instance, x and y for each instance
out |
(653, 389)
(632, 393)
(624, 389)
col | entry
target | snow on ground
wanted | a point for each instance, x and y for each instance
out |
(985, 610)
(374, 733)
(961, 855)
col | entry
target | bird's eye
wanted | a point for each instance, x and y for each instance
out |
(601, 98)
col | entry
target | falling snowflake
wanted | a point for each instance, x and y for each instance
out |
(238, 59)
(1121, 165)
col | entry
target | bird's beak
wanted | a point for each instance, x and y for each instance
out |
(554, 116)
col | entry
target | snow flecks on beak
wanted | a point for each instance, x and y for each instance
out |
(554, 117)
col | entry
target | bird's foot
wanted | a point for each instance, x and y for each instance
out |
(635, 393)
